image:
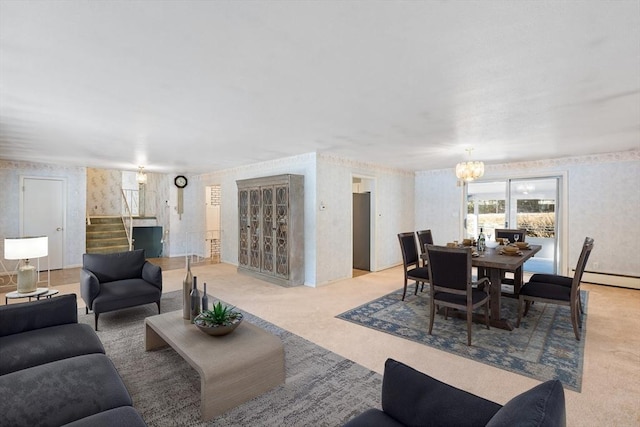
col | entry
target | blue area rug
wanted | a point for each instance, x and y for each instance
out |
(544, 347)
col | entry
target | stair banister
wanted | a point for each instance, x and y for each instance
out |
(127, 220)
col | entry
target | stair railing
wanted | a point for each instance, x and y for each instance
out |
(127, 219)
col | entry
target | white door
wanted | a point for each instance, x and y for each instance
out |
(43, 213)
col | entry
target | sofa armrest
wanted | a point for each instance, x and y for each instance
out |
(153, 274)
(414, 398)
(23, 317)
(89, 287)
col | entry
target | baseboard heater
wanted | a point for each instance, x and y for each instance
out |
(609, 279)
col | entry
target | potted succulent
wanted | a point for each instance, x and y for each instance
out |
(220, 320)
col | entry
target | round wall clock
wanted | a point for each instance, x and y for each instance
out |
(180, 181)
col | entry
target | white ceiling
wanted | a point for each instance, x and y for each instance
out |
(199, 86)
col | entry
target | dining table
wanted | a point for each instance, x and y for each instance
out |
(493, 263)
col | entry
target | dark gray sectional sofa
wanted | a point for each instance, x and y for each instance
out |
(411, 398)
(53, 370)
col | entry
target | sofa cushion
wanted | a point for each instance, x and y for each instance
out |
(118, 417)
(60, 392)
(416, 399)
(543, 405)
(27, 316)
(125, 293)
(116, 266)
(39, 346)
(373, 418)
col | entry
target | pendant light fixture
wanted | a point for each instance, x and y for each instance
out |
(468, 171)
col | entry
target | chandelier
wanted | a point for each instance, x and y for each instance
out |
(468, 171)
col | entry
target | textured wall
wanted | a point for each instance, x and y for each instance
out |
(75, 178)
(392, 200)
(603, 203)
(104, 195)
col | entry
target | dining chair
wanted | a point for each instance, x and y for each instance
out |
(424, 238)
(452, 285)
(509, 233)
(555, 289)
(411, 261)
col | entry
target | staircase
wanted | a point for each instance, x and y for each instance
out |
(106, 234)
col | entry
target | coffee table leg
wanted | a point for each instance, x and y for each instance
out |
(152, 340)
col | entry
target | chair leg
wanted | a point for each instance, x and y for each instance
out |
(404, 293)
(432, 315)
(486, 314)
(469, 315)
(158, 303)
(417, 284)
(520, 303)
(574, 322)
(96, 317)
(86, 310)
(526, 307)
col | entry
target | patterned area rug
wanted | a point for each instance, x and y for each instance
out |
(544, 347)
(321, 388)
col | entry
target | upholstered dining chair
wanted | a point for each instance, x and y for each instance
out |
(555, 289)
(509, 233)
(411, 261)
(424, 238)
(452, 286)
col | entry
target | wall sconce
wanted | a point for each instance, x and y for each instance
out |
(141, 177)
(25, 248)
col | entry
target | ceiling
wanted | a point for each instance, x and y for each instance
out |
(200, 86)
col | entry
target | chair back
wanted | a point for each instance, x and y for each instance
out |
(508, 233)
(409, 249)
(587, 246)
(424, 238)
(449, 268)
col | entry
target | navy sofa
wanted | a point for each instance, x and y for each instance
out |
(411, 398)
(53, 370)
(119, 280)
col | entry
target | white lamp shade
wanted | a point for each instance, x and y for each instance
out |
(26, 247)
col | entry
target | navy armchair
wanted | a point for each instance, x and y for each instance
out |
(120, 280)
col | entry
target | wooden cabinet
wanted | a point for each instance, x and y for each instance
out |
(271, 228)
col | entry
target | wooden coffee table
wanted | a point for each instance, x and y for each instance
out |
(233, 368)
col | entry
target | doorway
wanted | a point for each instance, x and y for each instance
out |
(362, 225)
(213, 198)
(529, 203)
(42, 213)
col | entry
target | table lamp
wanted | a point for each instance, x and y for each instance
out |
(25, 248)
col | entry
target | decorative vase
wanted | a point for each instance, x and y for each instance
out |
(205, 298)
(195, 300)
(187, 284)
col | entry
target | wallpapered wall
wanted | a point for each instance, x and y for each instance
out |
(75, 178)
(603, 203)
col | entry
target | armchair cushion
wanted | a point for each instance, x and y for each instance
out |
(124, 294)
(543, 405)
(116, 266)
(412, 398)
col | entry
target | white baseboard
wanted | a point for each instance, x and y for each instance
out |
(631, 282)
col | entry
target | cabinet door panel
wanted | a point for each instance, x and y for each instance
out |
(243, 226)
(254, 228)
(282, 231)
(268, 227)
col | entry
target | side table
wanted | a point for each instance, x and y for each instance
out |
(37, 294)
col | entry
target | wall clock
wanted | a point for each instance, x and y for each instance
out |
(181, 182)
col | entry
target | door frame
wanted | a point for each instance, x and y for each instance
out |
(373, 182)
(63, 181)
(561, 208)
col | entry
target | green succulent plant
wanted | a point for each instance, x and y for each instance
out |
(219, 315)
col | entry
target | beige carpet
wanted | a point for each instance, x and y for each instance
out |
(611, 374)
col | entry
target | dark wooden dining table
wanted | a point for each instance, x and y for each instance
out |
(493, 264)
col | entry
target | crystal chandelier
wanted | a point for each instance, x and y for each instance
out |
(468, 171)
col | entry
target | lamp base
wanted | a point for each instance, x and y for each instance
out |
(27, 279)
